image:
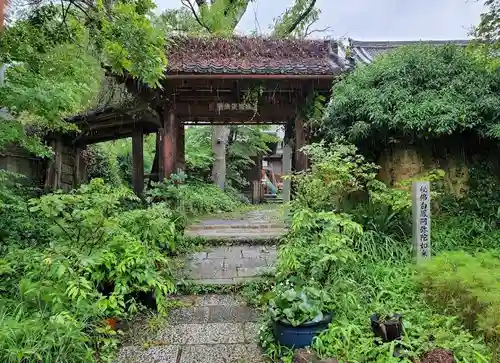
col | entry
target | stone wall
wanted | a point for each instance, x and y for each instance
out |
(402, 163)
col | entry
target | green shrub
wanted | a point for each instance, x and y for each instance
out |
(467, 286)
(337, 173)
(158, 225)
(317, 245)
(39, 337)
(18, 226)
(467, 232)
(361, 255)
(364, 289)
(194, 198)
(297, 305)
(103, 261)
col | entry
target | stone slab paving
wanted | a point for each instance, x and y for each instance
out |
(230, 265)
(256, 224)
(212, 329)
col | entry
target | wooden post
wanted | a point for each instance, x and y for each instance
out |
(138, 161)
(300, 140)
(421, 193)
(160, 134)
(170, 145)
(58, 164)
(76, 170)
(181, 152)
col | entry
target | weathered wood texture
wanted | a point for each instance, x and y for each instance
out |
(181, 148)
(169, 142)
(66, 170)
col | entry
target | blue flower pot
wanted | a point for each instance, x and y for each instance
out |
(299, 336)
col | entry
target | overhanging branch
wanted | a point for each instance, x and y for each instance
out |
(301, 17)
(190, 6)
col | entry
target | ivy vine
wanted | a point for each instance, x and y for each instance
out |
(253, 95)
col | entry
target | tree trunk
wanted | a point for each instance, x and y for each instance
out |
(220, 135)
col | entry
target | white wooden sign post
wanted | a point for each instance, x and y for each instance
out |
(421, 198)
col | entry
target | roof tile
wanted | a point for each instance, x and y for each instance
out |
(252, 55)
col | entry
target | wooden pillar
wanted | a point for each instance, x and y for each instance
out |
(300, 141)
(160, 134)
(58, 163)
(181, 152)
(77, 169)
(138, 161)
(169, 143)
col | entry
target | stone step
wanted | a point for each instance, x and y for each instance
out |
(236, 233)
(245, 225)
(213, 314)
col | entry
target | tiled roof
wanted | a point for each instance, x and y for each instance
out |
(364, 51)
(252, 55)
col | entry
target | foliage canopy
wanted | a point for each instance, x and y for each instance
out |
(416, 92)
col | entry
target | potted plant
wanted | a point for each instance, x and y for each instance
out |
(298, 314)
(387, 327)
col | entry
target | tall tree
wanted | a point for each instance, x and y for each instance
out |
(488, 33)
(58, 53)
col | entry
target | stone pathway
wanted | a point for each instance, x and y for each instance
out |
(211, 329)
(230, 265)
(215, 328)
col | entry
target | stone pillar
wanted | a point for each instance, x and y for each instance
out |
(287, 170)
(138, 161)
(300, 140)
(169, 144)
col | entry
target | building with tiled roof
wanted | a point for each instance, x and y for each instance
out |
(253, 55)
(363, 52)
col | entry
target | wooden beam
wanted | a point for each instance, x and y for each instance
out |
(268, 98)
(115, 124)
(107, 135)
(210, 112)
(138, 162)
(209, 121)
(244, 84)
